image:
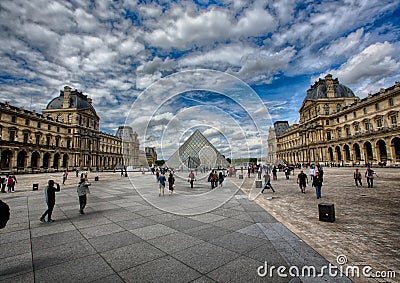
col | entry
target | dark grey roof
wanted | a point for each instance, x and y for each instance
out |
(76, 100)
(318, 90)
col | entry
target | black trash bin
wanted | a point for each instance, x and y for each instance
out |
(35, 187)
(326, 212)
(96, 178)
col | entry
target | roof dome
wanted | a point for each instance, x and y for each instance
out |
(76, 100)
(320, 89)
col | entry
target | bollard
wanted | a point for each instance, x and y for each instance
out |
(258, 184)
(326, 212)
(96, 178)
(240, 176)
(35, 187)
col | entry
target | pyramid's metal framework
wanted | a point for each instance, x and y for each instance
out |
(197, 152)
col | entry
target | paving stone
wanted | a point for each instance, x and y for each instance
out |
(205, 257)
(68, 251)
(183, 224)
(153, 231)
(208, 233)
(100, 230)
(14, 236)
(23, 278)
(113, 241)
(132, 255)
(15, 248)
(56, 239)
(242, 269)
(175, 242)
(109, 279)
(207, 217)
(165, 269)
(237, 242)
(85, 269)
(15, 265)
(232, 224)
(136, 223)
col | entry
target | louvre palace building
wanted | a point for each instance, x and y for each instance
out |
(65, 135)
(337, 127)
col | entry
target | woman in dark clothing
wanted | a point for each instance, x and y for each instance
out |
(317, 183)
(50, 195)
(171, 182)
(220, 178)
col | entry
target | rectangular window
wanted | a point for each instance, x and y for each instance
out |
(367, 126)
(365, 110)
(357, 128)
(337, 120)
(348, 133)
(38, 124)
(68, 143)
(345, 117)
(328, 136)
(69, 131)
(379, 123)
(26, 136)
(12, 135)
(391, 101)
(58, 129)
(355, 114)
(49, 127)
(377, 106)
(327, 122)
(47, 141)
(13, 119)
(393, 120)
(57, 142)
(37, 139)
(27, 122)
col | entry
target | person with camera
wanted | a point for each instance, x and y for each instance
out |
(50, 196)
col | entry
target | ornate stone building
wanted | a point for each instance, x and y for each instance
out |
(338, 127)
(65, 136)
(151, 155)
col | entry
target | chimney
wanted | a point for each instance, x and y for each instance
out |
(67, 95)
(330, 92)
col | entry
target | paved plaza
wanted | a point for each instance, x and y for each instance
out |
(130, 235)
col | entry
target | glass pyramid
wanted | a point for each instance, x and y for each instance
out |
(197, 152)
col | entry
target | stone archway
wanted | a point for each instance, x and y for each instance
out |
(65, 161)
(346, 152)
(395, 144)
(338, 153)
(35, 160)
(330, 153)
(6, 159)
(56, 160)
(369, 156)
(21, 160)
(46, 160)
(381, 150)
(357, 152)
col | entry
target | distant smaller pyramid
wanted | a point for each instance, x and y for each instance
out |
(196, 152)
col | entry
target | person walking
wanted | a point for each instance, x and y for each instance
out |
(171, 183)
(50, 196)
(161, 181)
(369, 174)
(10, 184)
(82, 190)
(311, 172)
(267, 184)
(302, 180)
(317, 184)
(4, 183)
(213, 178)
(221, 178)
(191, 179)
(64, 176)
(287, 172)
(274, 173)
(357, 177)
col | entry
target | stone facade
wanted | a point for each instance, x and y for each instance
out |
(338, 127)
(65, 136)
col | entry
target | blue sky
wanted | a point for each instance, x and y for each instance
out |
(114, 50)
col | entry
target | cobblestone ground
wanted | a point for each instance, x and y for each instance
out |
(367, 226)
